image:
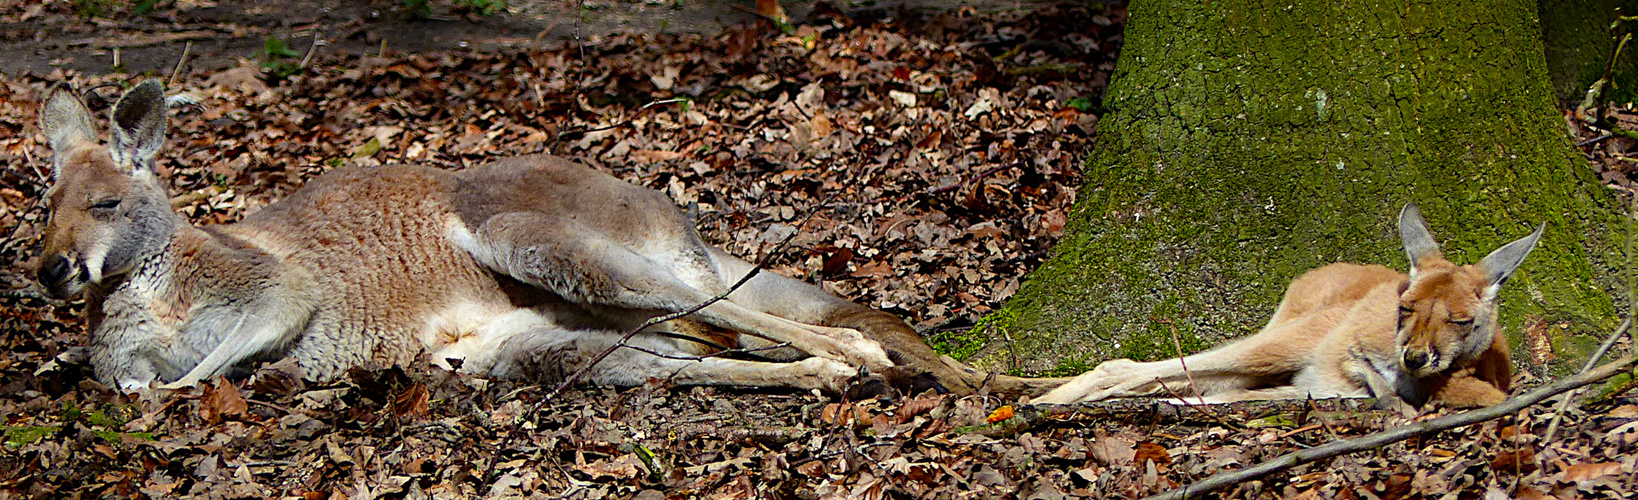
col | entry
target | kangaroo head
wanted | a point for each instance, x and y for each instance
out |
(108, 209)
(1447, 313)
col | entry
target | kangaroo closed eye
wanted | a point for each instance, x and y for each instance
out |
(1335, 335)
(516, 268)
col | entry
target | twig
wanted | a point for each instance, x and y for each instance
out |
(1321, 418)
(1600, 138)
(1010, 349)
(622, 123)
(1300, 430)
(718, 354)
(29, 158)
(1383, 438)
(275, 406)
(1558, 413)
(186, 48)
(579, 15)
(535, 45)
(1198, 394)
(311, 48)
(1596, 90)
(829, 454)
(1200, 407)
(583, 370)
(1632, 305)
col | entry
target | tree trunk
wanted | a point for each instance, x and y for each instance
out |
(1249, 141)
(1579, 44)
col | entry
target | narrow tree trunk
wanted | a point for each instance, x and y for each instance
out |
(1248, 141)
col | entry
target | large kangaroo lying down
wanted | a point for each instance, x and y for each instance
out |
(1350, 330)
(524, 267)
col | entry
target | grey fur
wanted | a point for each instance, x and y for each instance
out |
(506, 266)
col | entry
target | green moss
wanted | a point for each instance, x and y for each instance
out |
(1066, 367)
(117, 437)
(1615, 386)
(1248, 143)
(17, 437)
(959, 344)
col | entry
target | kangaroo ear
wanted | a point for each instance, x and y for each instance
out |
(139, 126)
(1413, 233)
(65, 121)
(1501, 263)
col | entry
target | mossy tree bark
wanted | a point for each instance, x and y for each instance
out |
(1248, 141)
(1579, 42)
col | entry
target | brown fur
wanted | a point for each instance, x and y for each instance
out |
(522, 267)
(1350, 330)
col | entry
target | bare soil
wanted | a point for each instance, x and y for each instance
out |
(60, 34)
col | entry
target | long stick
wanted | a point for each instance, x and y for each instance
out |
(1390, 436)
(1632, 307)
(1558, 413)
(179, 62)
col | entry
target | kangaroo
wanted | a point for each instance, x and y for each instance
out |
(524, 267)
(1351, 330)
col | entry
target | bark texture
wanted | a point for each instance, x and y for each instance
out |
(1248, 141)
(1579, 41)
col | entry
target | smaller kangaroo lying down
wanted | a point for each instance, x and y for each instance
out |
(1350, 330)
(525, 267)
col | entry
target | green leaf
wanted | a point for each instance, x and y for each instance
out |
(369, 149)
(418, 9)
(1276, 420)
(273, 48)
(1083, 104)
(647, 456)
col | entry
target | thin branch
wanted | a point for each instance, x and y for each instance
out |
(1596, 90)
(581, 373)
(624, 122)
(1380, 439)
(718, 354)
(1558, 413)
(311, 48)
(179, 62)
(1321, 418)
(1600, 138)
(1632, 305)
(1200, 407)
(1180, 359)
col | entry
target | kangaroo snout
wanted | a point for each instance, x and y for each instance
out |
(60, 276)
(1415, 360)
(1421, 362)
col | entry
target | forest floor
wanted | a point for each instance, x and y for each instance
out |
(950, 141)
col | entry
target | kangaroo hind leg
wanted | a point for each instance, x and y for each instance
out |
(549, 356)
(1249, 363)
(585, 266)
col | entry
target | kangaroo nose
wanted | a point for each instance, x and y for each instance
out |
(1415, 359)
(54, 271)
